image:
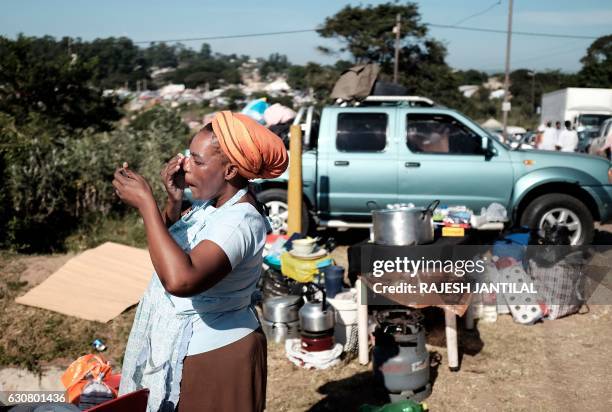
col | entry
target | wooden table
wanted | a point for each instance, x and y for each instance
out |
(356, 253)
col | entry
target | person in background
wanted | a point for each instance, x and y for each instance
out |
(557, 130)
(568, 139)
(548, 138)
(537, 141)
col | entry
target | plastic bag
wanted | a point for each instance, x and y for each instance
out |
(496, 213)
(84, 370)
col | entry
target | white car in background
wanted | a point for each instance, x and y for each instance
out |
(598, 142)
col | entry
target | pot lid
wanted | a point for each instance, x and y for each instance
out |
(283, 301)
(408, 209)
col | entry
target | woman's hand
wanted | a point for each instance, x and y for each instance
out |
(173, 178)
(132, 188)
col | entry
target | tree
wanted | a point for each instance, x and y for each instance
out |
(276, 63)
(39, 76)
(597, 64)
(471, 76)
(235, 97)
(296, 77)
(161, 55)
(424, 72)
(211, 71)
(315, 78)
(185, 55)
(367, 31)
(116, 61)
(205, 51)
(367, 34)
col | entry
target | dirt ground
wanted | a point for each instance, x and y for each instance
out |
(554, 365)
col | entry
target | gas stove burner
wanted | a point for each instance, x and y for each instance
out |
(396, 322)
(399, 317)
(315, 335)
(317, 344)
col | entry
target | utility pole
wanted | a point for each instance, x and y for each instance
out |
(533, 105)
(506, 103)
(396, 30)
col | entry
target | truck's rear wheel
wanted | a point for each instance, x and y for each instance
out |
(278, 210)
(560, 209)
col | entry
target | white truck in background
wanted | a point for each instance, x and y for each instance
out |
(581, 106)
(585, 108)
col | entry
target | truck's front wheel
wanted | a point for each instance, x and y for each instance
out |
(560, 209)
(278, 210)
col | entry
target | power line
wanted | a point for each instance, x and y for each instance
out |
(539, 55)
(231, 36)
(560, 53)
(441, 26)
(520, 33)
(478, 13)
(544, 56)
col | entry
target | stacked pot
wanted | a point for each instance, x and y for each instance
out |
(281, 317)
(274, 283)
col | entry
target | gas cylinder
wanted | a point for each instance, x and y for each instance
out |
(401, 360)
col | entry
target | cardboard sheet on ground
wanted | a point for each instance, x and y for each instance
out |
(98, 284)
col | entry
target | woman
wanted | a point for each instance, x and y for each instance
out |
(196, 343)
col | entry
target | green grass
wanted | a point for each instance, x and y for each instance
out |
(31, 337)
(128, 230)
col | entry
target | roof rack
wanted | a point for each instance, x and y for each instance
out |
(410, 100)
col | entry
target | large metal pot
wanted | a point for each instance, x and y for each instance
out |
(404, 226)
(282, 309)
(317, 316)
(278, 332)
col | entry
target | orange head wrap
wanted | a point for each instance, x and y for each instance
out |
(255, 150)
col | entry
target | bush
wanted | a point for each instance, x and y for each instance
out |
(54, 182)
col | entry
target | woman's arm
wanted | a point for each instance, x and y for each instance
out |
(171, 212)
(180, 273)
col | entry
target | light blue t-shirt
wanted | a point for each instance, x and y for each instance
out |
(240, 232)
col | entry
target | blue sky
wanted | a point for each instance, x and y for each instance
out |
(156, 20)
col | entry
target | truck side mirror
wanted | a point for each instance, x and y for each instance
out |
(487, 148)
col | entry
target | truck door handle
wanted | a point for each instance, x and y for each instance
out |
(412, 164)
(341, 163)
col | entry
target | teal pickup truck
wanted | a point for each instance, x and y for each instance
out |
(408, 150)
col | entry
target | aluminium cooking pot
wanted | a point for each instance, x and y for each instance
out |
(282, 309)
(278, 332)
(404, 226)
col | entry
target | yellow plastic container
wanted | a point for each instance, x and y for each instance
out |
(303, 270)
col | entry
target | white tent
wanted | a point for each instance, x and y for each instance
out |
(468, 90)
(497, 94)
(492, 124)
(278, 85)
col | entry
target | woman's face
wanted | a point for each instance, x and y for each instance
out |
(205, 168)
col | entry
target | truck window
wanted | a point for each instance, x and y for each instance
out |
(438, 133)
(592, 120)
(361, 132)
